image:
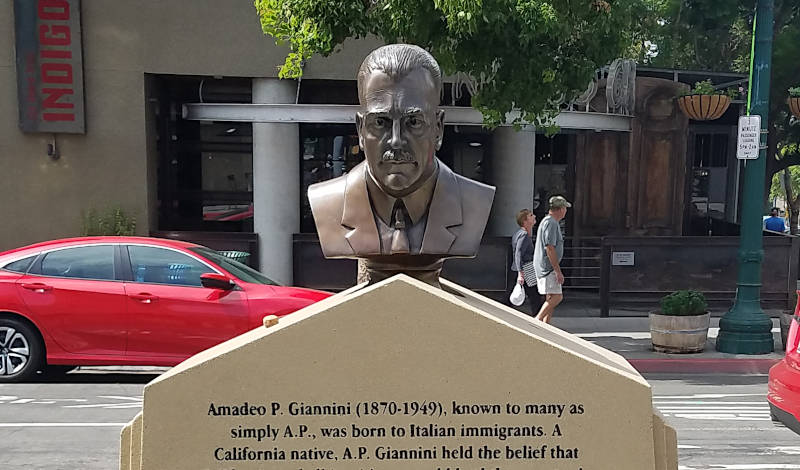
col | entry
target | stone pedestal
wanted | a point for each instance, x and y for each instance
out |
(401, 375)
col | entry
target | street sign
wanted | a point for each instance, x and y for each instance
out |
(49, 66)
(622, 258)
(749, 140)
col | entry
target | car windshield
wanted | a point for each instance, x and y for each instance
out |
(239, 270)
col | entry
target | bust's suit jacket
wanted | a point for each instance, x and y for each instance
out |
(346, 225)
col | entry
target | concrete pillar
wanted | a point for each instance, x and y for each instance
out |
(512, 174)
(276, 181)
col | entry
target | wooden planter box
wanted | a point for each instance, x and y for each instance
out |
(679, 334)
(794, 106)
(704, 107)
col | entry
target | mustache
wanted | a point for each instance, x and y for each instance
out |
(398, 156)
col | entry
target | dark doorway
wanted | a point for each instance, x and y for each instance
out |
(205, 168)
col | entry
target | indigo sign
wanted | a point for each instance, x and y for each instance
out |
(49, 66)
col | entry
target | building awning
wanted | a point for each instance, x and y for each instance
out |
(345, 114)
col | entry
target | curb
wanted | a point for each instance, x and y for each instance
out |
(703, 366)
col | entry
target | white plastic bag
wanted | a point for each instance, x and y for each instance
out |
(517, 296)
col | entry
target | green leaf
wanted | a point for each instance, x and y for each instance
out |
(684, 303)
(525, 53)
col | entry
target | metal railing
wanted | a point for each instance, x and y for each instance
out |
(582, 264)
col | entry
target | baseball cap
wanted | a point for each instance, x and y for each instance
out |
(558, 202)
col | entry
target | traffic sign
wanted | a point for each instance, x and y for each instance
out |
(749, 140)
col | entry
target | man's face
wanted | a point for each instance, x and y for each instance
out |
(559, 213)
(400, 128)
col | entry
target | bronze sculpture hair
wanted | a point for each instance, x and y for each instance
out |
(396, 60)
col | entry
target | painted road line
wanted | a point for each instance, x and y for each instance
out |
(714, 407)
(712, 333)
(625, 334)
(111, 406)
(60, 425)
(789, 450)
(751, 466)
(689, 407)
(720, 417)
(115, 397)
(716, 412)
(122, 403)
(696, 402)
(707, 395)
(10, 400)
(703, 366)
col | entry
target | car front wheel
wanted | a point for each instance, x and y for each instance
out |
(20, 350)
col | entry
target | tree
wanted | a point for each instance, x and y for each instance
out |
(710, 35)
(716, 35)
(521, 54)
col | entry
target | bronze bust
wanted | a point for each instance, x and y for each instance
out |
(402, 209)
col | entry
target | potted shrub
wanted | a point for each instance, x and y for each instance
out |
(794, 101)
(704, 102)
(112, 221)
(681, 326)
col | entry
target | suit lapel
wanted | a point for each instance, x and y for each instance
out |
(357, 215)
(444, 213)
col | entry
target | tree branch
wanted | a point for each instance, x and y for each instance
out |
(787, 161)
(787, 188)
(783, 15)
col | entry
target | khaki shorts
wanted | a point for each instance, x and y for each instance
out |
(548, 284)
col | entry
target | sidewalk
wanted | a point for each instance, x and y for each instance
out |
(627, 332)
(630, 337)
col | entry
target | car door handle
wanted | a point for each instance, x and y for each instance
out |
(37, 287)
(144, 298)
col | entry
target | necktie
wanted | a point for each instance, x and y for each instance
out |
(399, 237)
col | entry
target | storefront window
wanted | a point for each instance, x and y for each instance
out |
(227, 172)
(205, 168)
(331, 150)
(711, 203)
(551, 173)
(327, 151)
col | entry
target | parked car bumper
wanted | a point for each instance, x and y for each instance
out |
(783, 394)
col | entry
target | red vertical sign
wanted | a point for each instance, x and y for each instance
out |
(49, 66)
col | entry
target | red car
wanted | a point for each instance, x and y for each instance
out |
(127, 301)
(783, 392)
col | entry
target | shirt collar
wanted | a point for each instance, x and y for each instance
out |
(416, 203)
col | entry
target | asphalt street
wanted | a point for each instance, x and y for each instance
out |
(73, 423)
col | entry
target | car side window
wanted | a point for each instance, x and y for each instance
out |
(85, 262)
(161, 266)
(20, 266)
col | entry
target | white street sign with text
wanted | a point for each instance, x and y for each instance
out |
(749, 140)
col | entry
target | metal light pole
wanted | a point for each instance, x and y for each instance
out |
(745, 329)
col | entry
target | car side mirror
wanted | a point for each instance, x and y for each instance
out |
(217, 281)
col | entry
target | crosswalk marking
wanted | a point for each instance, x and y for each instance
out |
(61, 425)
(693, 407)
(789, 450)
(752, 466)
(111, 402)
(714, 407)
(693, 402)
(706, 395)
